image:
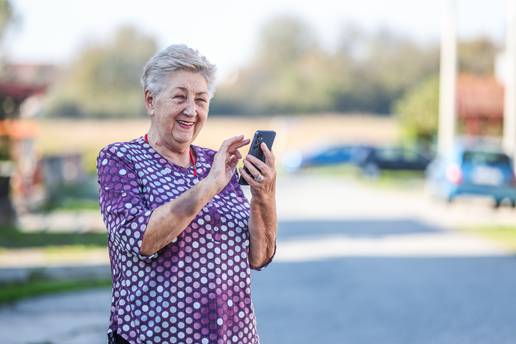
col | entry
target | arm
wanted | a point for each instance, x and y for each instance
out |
(171, 219)
(263, 218)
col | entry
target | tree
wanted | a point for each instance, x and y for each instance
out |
(418, 108)
(7, 214)
(6, 16)
(285, 39)
(104, 79)
(477, 56)
(385, 65)
(418, 111)
(292, 73)
(289, 73)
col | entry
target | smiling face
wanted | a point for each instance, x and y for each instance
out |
(179, 111)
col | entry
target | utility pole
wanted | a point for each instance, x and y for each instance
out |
(448, 77)
(509, 113)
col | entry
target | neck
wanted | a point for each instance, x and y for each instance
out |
(177, 154)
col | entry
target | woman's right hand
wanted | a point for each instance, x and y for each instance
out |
(225, 161)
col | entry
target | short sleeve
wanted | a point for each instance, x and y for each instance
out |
(121, 203)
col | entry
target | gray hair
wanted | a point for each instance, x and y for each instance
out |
(177, 57)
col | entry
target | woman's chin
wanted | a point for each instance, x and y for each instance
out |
(183, 138)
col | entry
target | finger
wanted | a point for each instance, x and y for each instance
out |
(232, 163)
(234, 155)
(236, 145)
(269, 157)
(228, 142)
(260, 165)
(250, 180)
(230, 159)
(234, 158)
(252, 170)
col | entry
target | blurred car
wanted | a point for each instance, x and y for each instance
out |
(473, 171)
(332, 155)
(375, 159)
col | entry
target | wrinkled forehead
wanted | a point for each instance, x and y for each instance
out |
(185, 81)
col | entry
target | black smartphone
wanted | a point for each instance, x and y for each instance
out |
(260, 136)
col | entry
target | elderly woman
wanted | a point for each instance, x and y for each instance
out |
(182, 235)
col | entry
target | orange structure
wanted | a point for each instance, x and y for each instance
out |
(480, 105)
(18, 164)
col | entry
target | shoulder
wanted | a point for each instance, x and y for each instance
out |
(122, 152)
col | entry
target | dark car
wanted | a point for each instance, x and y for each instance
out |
(474, 171)
(375, 159)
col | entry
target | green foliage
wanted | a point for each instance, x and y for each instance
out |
(10, 237)
(7, 106)
(418, 111)
(6, 15)
(418, 108)
(13, 292)
(379, 67)
(504, 236)
(477, 56)
(292, 73)
(289, 73)
(285, 39)
(83, 196)
(104, 80)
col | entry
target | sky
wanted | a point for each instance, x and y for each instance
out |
(226, 31)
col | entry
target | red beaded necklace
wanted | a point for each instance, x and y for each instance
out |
(192, 156)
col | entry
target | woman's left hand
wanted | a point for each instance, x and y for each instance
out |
(262, 175)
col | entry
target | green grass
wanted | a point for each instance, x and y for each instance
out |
(395, 179)
(12, 238)
(56, 246)
(13, 292)
(505, 236)
(77, 204)
(385, 179)
(333, 170)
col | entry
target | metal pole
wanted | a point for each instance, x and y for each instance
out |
(509, 118)
(447, 81)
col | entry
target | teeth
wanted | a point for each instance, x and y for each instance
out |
(185, 123)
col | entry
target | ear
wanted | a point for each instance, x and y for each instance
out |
(149, 102)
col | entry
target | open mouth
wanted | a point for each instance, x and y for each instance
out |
(185, 124)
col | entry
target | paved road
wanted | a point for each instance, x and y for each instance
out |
(388, 300)
(351, 299)
(70, 318)
(354, 265)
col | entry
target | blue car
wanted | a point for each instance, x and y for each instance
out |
(473, 171)
(327, 156)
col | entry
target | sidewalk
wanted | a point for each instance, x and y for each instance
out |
(66, 318)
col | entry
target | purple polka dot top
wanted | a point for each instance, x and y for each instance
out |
(197, 289)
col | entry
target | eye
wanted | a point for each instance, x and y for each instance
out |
(179, 97)
(201, 100)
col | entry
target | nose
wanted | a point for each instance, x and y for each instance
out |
(190, 108)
